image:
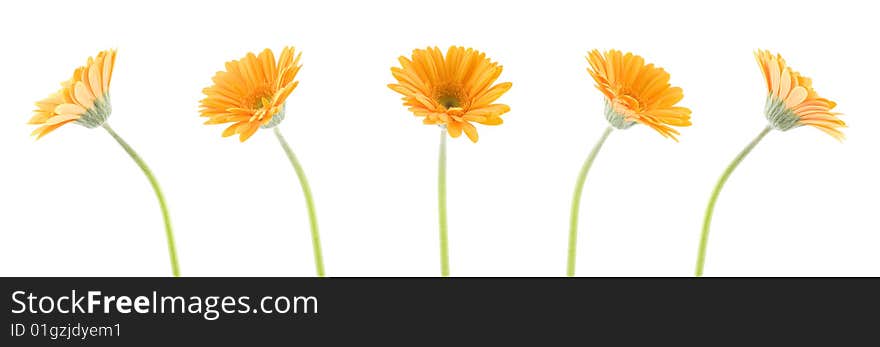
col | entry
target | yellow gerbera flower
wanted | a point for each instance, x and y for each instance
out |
(791, 100)
(251, 92)
(83, 99)
(637, 93)
(791, 103)
(451, 91)
(634, 93)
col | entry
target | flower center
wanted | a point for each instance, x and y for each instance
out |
(449, 101)
(261, 102)
(259, 97)
(449, 95)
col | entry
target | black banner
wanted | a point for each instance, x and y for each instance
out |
(416, 311)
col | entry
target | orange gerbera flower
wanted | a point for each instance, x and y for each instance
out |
(791, 103)
(83, 99)
(637, 93)
(251, 92)
(451, 91)
(791, 100)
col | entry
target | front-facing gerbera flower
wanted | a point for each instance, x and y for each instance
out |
(791, 100)
(251, 92)
(84, 99)
(635, 93)
(454, 90)
(791, 103)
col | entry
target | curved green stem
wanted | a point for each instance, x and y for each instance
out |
(169, 234)
(576, 202)
(441, 202)
(310, 203)
(707, 219)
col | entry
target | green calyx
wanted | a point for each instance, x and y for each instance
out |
(779, 116)
(97, 114)
(276, 118)
(616, 119)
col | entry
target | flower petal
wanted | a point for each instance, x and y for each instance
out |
(83, 95)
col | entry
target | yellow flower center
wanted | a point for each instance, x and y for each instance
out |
(448, 101)
(262, 102)
(258, 98)
(449, 95)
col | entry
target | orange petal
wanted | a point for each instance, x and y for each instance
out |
(492, 94)
(797, 96)
(232, 129)
(246, 131)
(109, 61)
(95, 79)
(61, 119)
(470, 131)
(454, 129)
(72, 109)
(774, 73)
(83, 95)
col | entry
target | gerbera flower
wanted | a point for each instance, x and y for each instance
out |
(635, 93)
(251, 92)
(84, 99)
(791, 100)
(453, 91)
(791, 103)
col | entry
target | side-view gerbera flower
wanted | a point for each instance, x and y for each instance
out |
(251, 94)
(84, 99)
(791, 103)
(453, 91)
(635, 93)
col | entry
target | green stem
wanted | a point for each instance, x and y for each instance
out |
(441, 200)
(310, 203)
(707, 219)
(576, 202)
(169, 234)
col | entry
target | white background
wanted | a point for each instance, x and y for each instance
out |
(73, 203)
